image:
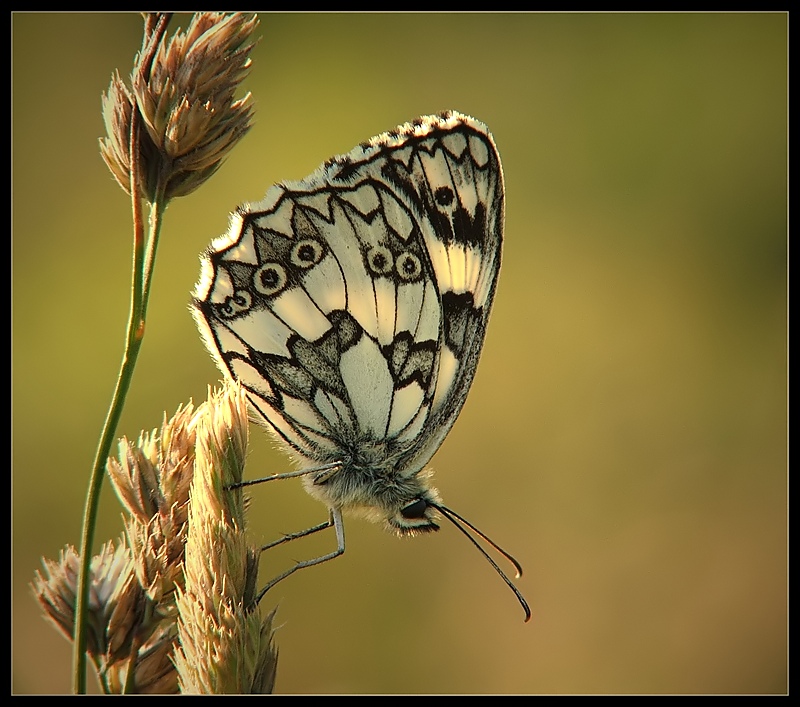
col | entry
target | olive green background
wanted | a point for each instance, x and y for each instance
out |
(626, 435)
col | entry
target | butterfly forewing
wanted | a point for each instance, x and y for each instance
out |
(352, 305)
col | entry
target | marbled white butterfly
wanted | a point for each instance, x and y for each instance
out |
(352, 307)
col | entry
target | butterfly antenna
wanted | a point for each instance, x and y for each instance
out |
(454, 518)
(479, 533)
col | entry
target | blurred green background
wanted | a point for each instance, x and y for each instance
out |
(626, 435)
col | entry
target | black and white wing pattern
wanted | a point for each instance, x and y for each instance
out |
(352, 306)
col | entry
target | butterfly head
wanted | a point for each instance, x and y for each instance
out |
(418, 516)
(405, 503)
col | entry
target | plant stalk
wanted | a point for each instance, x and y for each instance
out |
(143, 259)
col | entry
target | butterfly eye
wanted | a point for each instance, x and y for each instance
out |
(414, 510)
(380, 260)
(408, 267)
(269, 279)
(306, 253)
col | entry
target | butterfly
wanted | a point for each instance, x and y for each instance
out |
(352, 307)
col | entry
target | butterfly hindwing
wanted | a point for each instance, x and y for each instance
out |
(352, 305)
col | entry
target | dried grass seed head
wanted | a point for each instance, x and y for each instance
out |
(116, 601)
(186, 97)
(191, 119)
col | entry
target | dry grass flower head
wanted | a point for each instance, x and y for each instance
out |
(172, 605)
(183, 87)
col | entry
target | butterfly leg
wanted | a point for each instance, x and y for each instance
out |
(301, 534)
(288, 475)
(338, 525)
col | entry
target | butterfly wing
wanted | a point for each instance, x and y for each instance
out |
(352, 305)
